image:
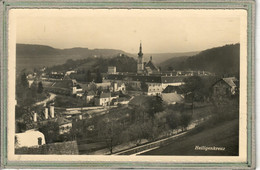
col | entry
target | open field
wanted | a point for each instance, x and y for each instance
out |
(223, 135)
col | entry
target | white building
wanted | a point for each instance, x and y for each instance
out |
(30, 138)
(111, 70)
(104, 99)
(118, 86)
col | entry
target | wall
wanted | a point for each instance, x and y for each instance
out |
(63, 148)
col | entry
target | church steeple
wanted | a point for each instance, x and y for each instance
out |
(140, 54)
(140, 61)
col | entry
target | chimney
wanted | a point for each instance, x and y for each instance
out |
(46, 113)
(35, 117)
(52, 111)
(80, 117)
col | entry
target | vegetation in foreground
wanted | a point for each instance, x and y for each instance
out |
(222, 130)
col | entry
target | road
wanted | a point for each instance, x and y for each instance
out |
(52, 96)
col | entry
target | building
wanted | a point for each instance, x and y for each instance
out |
(140, 61)
(155, 83)
(105, 99)
(154, 89)
(143, 67)
(172, 98)
(225, 88)
(64, 125)
(29, 138)
(174, 89)
(118, 86)
(150, 67)
(90, 96)
(111, 70)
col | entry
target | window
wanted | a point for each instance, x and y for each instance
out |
(39, 141)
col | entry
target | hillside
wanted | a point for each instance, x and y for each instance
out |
(219, 60)
(98, 63)
(31, 56)
(161, 57)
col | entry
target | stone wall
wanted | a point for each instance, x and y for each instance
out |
(62, 148)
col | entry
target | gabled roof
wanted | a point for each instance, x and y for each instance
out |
(172, 89)
(105, 95)
(91, 93)
(62, 121)
(151, 65)
(64, 84)
(172, 98)
(231, 81)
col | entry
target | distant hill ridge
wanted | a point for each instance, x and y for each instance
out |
(31, 56)
(219, 60)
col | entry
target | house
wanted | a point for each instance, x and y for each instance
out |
(56, 76)
(154, 89)
(118, 86)
(77, 90)
(103, 86)
(90, 96)
(225, 88)
(64, 125)
(174, 89)
(29, 138)
(105, 99)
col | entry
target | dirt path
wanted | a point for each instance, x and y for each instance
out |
(52, 96)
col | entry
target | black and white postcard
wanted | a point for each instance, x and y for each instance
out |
(128, 85)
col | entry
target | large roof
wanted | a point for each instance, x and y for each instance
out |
(231, 81)
(64, 84)
(105, 95)
(172, 89)
(151, 65)
(172, 98)
(91, 93)
(62, 121)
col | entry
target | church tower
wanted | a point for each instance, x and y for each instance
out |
(140, 61)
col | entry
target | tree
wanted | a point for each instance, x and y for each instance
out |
(88, 77)
(144, 86)
(50, 131)
(185, 119)
(24, 81)
(99, 77)
(173, 119)
(193, 86)
(170, 68)
(40, 87)
(157, 105)
(109, 131)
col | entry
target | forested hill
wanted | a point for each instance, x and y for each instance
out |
(29, 56)
(122, 62)
(219, 60)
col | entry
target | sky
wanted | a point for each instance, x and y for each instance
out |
(160, 31)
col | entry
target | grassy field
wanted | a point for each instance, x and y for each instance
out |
(222, 135)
